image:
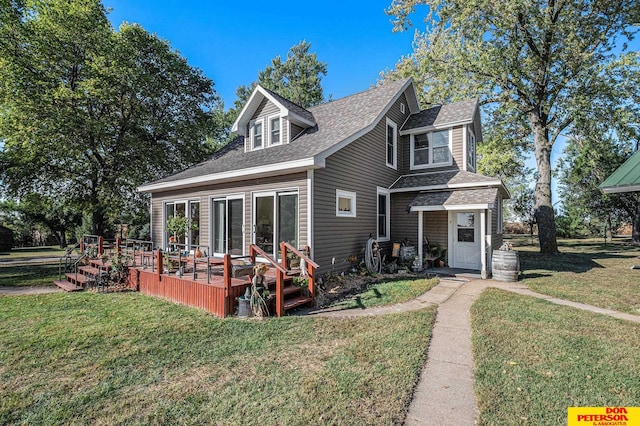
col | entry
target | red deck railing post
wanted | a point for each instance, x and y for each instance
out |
(82, 245)
(100, 246)
(227, 285)
(159, 261)
(279, 293)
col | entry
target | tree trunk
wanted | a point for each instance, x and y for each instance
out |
(63, 239)
(545, 217)
(635, 233)
(98, 222)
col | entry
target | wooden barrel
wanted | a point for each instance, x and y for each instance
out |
(505, 265)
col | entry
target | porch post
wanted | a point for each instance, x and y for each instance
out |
(483, 244)
(420, 233)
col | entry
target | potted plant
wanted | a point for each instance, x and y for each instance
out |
(179, 225)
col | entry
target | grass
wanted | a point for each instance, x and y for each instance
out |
(32, 275)
(31, 252)
(534, 359)
(388, 293)
(586, 271)
(125, 358)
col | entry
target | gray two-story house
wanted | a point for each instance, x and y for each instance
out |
(329, 176)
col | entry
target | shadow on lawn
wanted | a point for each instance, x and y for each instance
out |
(575, 256)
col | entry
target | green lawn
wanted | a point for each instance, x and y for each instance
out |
(32, 275)
(534, 359)
(586, 271)
(126, 358)
(388, 293)
(31, 252)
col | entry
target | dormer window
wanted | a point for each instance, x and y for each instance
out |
(431, 149)
(471, 150)
(275, 133)
(256, 134)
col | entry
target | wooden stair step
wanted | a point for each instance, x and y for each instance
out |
(67, 286)
(79, 279)
(89, 270)
(296, 301)
(97, 263)
(291, 289)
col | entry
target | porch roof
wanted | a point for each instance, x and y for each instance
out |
(462, 199)
(452, 179)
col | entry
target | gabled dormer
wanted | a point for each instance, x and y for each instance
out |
(443, 137)
(269, 120)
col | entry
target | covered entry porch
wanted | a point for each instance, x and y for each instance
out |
(464, 219)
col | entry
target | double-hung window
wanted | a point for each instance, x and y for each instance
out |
(392, 144)
(431, 149)
(257, 134)
(471, 150)
(384, 217)
(274, 131)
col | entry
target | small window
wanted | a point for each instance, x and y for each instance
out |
(471, 150)
(257, 134)
(274, 130)
(392, 144)
(345, 203)
(499, 217)
(466, 227)
(384, 217)
(402, 108)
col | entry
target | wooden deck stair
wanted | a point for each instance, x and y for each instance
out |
(86, 277)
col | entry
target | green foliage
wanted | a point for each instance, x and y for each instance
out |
(298, 78)
(89, 113)
(542, 62)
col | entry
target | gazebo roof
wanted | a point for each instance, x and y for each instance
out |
(626, 178)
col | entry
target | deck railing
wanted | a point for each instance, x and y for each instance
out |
(307, 266)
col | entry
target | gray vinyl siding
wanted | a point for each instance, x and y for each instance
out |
(436, 228)
(295, 130)
(205, 193)
(496, 239)
(405, 225)
(457, 153)
(360, 167)
(265, 110)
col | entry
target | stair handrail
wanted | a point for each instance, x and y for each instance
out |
(66, 257)
(268, 258)
(281, 271)
(301, 255)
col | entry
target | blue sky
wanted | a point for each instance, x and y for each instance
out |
(232, 41)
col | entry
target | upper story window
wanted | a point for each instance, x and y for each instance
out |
(275, 132)
(471, 150)
(392, 144)
(431, 149)
(257, 134)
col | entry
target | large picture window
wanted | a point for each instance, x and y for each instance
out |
(431, 149)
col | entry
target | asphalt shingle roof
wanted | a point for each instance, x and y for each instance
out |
(442, 115)
(293, 107)
(462, 197)
(336, 121)
(452, 177)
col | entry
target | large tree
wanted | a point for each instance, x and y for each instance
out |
(298, 78)
(538, 60)
(87, 113)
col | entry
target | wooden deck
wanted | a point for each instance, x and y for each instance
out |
(210, 283)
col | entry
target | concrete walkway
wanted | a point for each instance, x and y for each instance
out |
(21, 291)
(445, 388)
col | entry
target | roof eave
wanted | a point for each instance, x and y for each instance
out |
(235, 175)
(435, 127)
(621, 188)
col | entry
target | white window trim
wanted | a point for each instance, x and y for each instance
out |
(269, 119)
(345, 194)
(402, 108)
(430, 165)
(251, 132)
(226, 198)
(394, 164)
(385, 192)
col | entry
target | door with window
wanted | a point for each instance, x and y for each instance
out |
(466, 240)
(190, 210)
(228, 225)
(275, 219)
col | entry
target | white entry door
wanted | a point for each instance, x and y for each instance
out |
(465, 231)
